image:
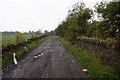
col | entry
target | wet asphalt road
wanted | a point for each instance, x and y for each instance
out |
(49, 60)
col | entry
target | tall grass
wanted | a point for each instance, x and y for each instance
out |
(94, 65)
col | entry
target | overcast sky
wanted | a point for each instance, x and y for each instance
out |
(25, 15)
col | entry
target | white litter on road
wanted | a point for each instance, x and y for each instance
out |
(14, 59)
(84, 70)
(35, 57)
(40, 54)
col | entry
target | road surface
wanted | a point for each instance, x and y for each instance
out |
(49, 60)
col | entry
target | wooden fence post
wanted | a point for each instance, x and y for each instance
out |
(32, 36)
(17, 39)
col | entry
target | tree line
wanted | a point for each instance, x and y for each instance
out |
(80, 22)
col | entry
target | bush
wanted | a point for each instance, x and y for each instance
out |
(20, 37)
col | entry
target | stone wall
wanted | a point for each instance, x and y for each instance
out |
(107, 51)
(18, 45)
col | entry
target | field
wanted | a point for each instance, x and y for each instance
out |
(11, 39)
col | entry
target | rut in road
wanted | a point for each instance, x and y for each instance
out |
(49, 60)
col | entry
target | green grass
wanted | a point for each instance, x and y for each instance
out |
(11, 39)
(8, 39)
(7, 58)
(94, 65)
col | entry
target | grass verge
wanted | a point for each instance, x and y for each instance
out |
(94, 65)
(7, 58)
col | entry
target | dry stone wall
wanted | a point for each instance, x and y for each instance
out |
(107, 51)
(18, 45)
